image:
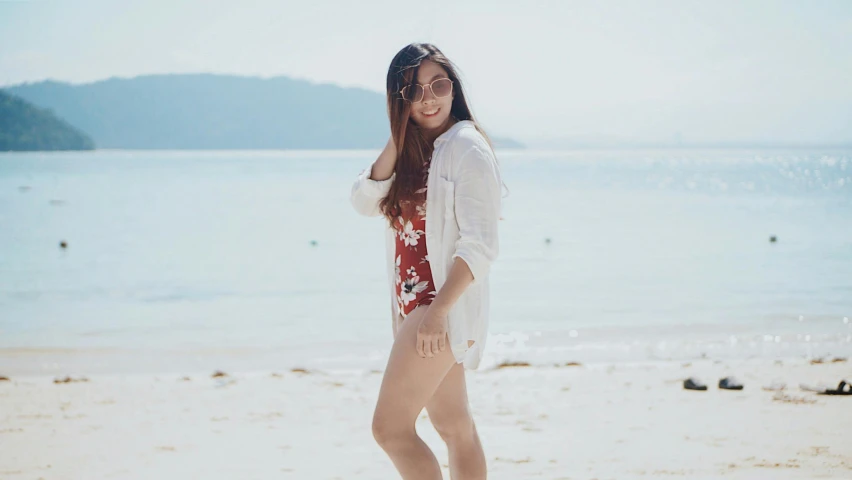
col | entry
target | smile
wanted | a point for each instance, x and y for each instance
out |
(432, 113)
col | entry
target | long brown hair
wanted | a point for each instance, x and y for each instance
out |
(413, 150)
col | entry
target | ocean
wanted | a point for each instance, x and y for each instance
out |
(255, 260)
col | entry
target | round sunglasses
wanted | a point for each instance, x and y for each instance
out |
(442, 87)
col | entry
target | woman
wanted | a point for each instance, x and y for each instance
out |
(438, 185)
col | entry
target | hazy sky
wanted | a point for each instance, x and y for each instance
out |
(715, 70)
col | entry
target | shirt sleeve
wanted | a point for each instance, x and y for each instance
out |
(367, 193)
(477, 207)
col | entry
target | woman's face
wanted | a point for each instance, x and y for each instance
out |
(431, 113)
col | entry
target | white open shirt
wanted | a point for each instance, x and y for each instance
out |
(463, 202)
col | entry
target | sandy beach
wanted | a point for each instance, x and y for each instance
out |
(568, 422)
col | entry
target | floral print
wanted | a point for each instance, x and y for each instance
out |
(414, 285)
(410, 288)
(421, 210)
(409, 235)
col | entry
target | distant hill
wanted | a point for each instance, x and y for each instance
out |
(503, 142)
(23, 126)
(209, 111)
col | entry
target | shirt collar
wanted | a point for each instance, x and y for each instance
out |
(449, 133)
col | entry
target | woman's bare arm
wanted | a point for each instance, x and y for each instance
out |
(374, 182)
(384, 165)
(432, 331)
(459, 278)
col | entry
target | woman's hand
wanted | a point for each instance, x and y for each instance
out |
(432, 333)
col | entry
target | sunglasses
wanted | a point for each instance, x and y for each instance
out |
(441, 87)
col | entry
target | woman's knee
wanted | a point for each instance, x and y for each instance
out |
(454, 427)
(389, 431)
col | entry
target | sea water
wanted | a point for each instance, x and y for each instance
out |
(187, 260)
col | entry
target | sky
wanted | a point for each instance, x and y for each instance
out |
(774, 71)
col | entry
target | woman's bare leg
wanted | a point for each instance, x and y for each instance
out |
(450, 414)
(408, 384)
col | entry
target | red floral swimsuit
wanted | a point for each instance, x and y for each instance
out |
(414, 285)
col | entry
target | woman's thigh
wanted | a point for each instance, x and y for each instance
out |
(448, 408)
(410, 380)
